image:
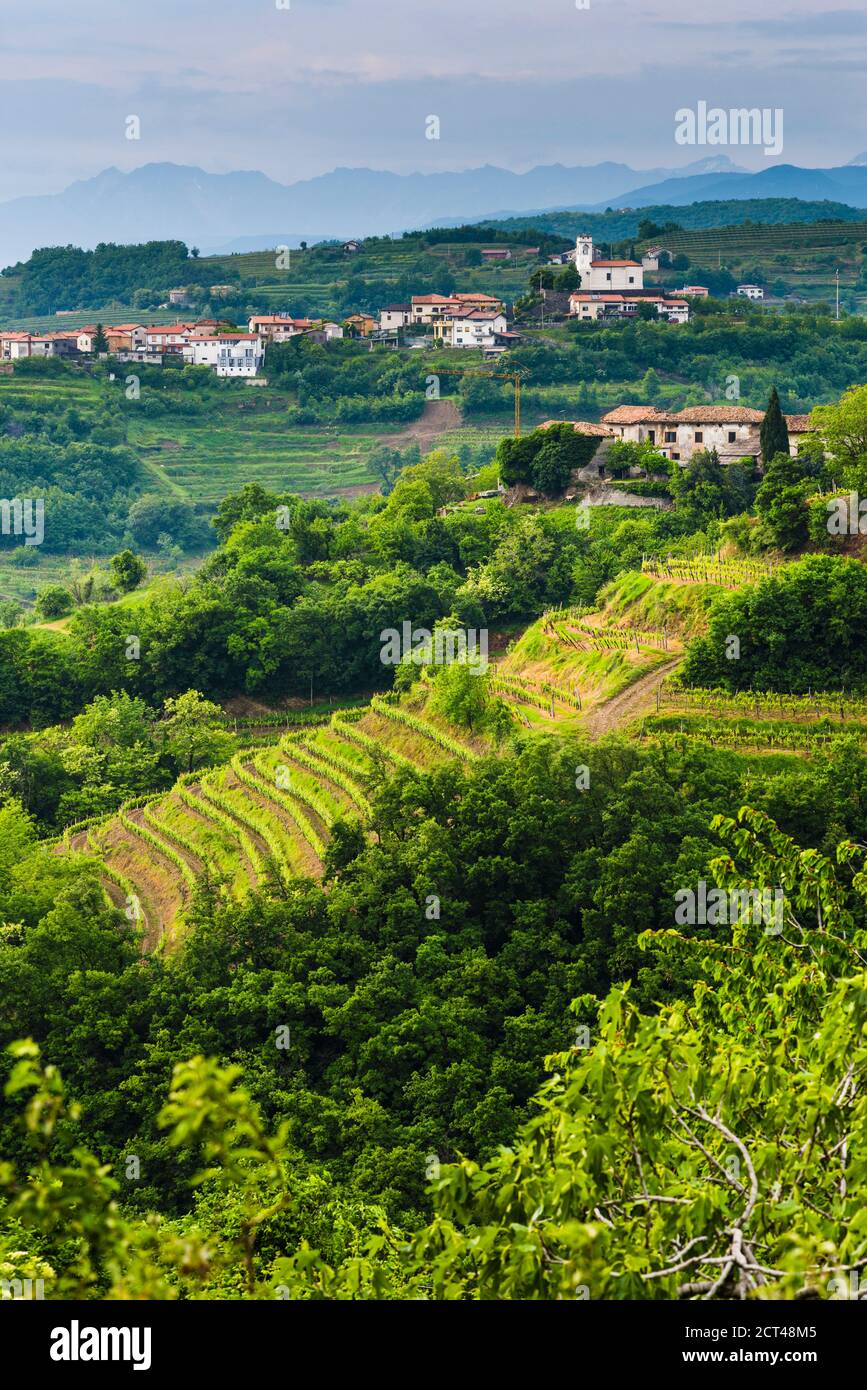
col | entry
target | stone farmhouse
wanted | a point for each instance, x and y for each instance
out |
(733, 430)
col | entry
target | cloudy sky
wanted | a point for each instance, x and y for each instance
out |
(297, 91)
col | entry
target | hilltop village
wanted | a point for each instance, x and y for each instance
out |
(463, 319)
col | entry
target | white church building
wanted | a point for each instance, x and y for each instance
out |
(605, 275)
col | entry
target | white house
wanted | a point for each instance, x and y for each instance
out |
(427, 307)
(751, 291)
(395, 316)
(675, 310)
(229, 354)
(605, 275)
(474, 328)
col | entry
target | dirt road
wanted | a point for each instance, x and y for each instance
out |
(639, 698)
(436, 418)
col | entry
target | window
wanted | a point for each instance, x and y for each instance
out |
(676, 457)
(632, 279)
(608, 275)
(732, 436)
(671, 436)
(699, 437)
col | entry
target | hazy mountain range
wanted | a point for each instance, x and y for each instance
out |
(247, 210)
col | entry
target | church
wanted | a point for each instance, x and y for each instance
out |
(605, 275)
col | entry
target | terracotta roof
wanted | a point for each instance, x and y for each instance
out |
(486, 314)
(637, 264)
(631, 414)
(698, 415)
(431, 299)
(720, 415)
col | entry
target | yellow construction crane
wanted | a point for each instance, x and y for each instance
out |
(515, 377)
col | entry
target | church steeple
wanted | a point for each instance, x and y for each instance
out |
(583, 252)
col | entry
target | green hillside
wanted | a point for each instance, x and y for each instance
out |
(802, 256)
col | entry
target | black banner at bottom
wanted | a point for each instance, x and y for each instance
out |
(88, 1341)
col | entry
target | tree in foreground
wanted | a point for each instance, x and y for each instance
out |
(774, 433)
(714, 1149)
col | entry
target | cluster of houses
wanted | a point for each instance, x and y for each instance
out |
(204, 343)
(609, 288)
(468, 320)
(465, 320)
(616, 288)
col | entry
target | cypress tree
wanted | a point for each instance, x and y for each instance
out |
(774, 434)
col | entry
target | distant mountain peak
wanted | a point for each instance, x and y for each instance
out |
(166, 201)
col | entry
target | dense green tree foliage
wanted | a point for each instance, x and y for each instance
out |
(705, 1148)
(799, 630)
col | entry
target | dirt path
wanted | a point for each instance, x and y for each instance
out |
(436, 418)
(637, 699)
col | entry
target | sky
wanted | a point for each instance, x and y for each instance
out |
(316, 84)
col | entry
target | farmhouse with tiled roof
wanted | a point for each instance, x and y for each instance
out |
(733, 430)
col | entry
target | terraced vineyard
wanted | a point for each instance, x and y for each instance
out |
(803, 255)
(199, 458)
(724, 704)
(574, 629)
(743, 734)
(710, 569)
(266, 817)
